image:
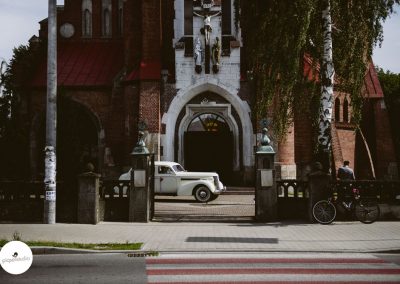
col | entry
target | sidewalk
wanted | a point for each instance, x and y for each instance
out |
(222, 237)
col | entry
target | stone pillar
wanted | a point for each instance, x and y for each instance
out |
(266, 194)
(139, 190)
(318, 185)
(88, 198)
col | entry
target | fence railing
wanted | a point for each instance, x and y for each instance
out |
(21, 201)
(292, 188)
(385, 190)
(114, 203)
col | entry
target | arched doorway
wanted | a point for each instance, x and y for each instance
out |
(77, 144)
(208, 145)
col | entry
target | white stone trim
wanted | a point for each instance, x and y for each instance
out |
(228, 93)
(223, 110)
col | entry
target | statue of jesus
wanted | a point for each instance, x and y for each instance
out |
(207, 24)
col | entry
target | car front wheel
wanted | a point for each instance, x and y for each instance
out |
(202, 194)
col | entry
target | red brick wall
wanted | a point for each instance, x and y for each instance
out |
(384, 144)
(303, 137)
(347, 140)
(149, 105)
(286, 154)
(132, 33)
(151, 43)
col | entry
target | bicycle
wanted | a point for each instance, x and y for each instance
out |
(366, 210)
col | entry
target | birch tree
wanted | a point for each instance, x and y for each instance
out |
(327, 76)
(51, 118)
(278, 34)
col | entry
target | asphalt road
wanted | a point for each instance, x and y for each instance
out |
(81, 268)
(228, 267)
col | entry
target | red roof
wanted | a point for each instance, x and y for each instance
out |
(371, 82)
(372, 86)
(84, 64)
(146, 71)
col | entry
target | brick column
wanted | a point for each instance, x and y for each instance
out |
(286, 166)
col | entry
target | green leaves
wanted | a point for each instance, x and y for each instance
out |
(278, 33)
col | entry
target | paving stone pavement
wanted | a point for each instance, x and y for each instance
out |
(227, 232)
(224, 208)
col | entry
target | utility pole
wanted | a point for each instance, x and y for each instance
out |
(49, 214)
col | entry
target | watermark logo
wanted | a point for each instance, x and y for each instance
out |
(16, 257)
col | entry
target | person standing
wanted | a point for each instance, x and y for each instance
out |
(345, 172)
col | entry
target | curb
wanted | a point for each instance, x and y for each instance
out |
(135, 253)
(59, 250)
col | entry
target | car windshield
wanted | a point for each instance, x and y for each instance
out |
(178, 168)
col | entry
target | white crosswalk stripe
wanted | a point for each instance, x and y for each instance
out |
(274, 268)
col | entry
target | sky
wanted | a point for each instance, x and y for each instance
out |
(19, 21)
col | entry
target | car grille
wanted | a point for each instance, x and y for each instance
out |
(216, 182)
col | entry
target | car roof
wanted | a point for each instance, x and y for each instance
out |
(165, 163)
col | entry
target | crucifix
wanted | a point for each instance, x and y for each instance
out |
(207, 23)
(206, 30)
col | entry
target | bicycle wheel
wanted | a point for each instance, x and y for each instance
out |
(324, 212)
(367, 212)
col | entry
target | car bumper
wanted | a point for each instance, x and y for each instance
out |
(220, 190)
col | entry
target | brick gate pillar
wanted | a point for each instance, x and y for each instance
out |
(286, 166)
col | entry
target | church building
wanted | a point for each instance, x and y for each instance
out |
(176, 70)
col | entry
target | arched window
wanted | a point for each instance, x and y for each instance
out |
(208, 122)
(87, 18)
(337, 110)
(346, 111)
(106, 18)
(120, 17)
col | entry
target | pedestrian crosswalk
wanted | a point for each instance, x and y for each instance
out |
(277, 268)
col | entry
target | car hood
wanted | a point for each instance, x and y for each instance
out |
(196, 174)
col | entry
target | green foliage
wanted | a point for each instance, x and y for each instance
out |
(13, 126)
(275, 36)
(278, 33)
(100, 246)
(390, 83)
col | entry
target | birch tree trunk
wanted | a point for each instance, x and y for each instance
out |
(49, 216)
(327, 76)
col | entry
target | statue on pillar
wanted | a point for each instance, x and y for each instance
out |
(265, 146)
(216, 54)
(198, 55)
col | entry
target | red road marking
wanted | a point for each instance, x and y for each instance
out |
(261, 260)
(277, 282)
(272, 271)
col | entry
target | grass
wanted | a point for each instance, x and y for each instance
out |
(101, 246)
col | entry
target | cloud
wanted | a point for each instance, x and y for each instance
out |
(18, 22)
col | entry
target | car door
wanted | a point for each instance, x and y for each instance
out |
(168, 180)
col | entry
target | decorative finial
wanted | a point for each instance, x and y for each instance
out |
(265, 141)
(140, 147)
(265, 146)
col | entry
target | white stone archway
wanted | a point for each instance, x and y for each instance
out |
(184, 96)
(224, 110)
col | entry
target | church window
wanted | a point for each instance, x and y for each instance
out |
(346, 111)
(208, 122)
(188, 14)
(106, 18)
(337, 110)
(120, 17)
(87, 18)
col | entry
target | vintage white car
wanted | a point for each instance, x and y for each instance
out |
(172, 179)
